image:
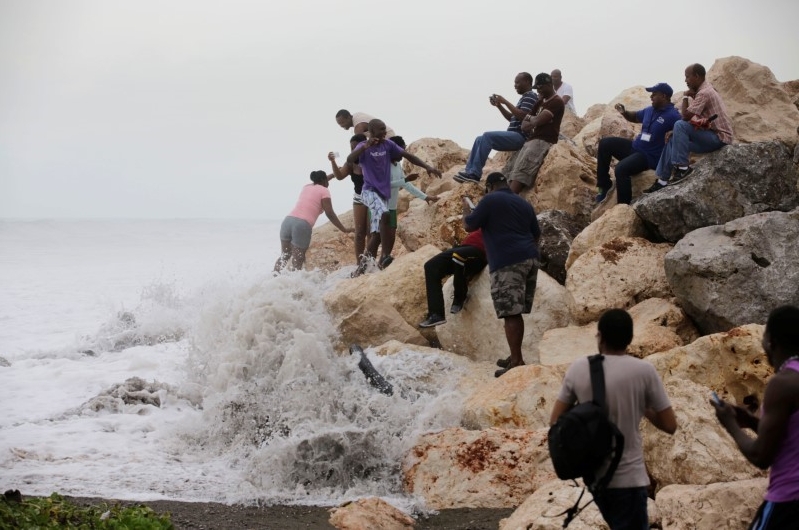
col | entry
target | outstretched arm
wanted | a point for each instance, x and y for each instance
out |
(339, 172)
(327, 206)
(415, 160)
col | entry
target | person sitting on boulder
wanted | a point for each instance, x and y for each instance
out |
(398, 180)
(509, 140)
(637, 155)
(542, 126)
(462, 262)
(374, 156)
(704, 128)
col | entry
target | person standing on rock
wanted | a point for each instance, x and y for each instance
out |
(704, 128)
(462, 262)
(637, 155)
(375, 155)
(633, 390)
(510, 140)
(542, 127)
(359, 122)
(564, 90)
(776, 445)
(511, 234)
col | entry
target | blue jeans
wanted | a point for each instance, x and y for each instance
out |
(685, 140)
(630, 163)
(496, 140)
(623, 508)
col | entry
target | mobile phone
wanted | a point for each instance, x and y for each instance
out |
(716, 398)
(469, 202)
(712, 117)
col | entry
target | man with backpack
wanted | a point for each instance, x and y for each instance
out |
(632, 390)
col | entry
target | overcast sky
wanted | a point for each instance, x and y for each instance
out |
(221, 109)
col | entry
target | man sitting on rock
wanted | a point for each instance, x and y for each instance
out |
(633, 390)
(704, 128)
(463, 262)
(359, 122)
(511, 234)
(637, 155)
(542, 126)
(776, 445)
(510, 140)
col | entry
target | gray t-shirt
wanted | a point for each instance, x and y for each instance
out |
(631, 386)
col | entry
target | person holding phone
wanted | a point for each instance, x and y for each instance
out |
(776, 444)
(641, 153)
(702, 101)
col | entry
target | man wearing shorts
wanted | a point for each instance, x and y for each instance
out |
(510, 234)
(374, 156)
(542, 127)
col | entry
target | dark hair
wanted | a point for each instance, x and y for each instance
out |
(698, 69)
(783, 327)
(318, 177)
(360, 137)
(398, 140)
(527, 77)
(616, 328)
(343, 113)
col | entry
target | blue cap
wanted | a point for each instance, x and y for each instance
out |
(663, 88)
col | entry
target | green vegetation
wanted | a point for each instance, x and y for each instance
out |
(54, 512)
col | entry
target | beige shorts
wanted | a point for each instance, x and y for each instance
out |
(524, 165)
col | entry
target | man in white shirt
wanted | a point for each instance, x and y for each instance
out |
(564, 90)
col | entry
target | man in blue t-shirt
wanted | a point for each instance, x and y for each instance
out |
(510, 234)
(637, 155)
(511, 140)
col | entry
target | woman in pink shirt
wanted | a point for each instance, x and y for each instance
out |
(296, 229)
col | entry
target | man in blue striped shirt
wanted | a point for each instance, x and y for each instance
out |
(511, 140)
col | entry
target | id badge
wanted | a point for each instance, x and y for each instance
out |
(646, 137)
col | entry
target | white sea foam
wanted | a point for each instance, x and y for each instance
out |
(170, 369)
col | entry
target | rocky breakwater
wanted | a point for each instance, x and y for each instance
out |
(698, 265)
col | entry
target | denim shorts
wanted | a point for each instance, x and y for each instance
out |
(297, 231)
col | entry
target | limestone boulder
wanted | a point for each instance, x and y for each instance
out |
(731, 363)
(733, 182)
(571, 125)
(558, 229)
(618, 273)
(540, 510)
(701, 451)
(370, 513)
(730, 505)
(439, 224)
(736, 273)
(442, 154)
(521, 399)
(478, 334)
(331, 248)
(588, 137)
(659, 326)
(492, 468)
(640, 182)
(375, 308)
(760, 108)
(619, 221)
(634, 99)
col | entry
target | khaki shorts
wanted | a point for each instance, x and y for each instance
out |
(513, 288)
(524, 165)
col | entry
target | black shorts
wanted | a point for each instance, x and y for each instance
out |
(776, 516)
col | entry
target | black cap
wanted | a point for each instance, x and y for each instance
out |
(495, 177)
(542, 79)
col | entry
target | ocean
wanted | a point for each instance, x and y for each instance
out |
(161, 359)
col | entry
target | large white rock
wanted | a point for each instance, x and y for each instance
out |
(540, 510)
(729, 505)
(369, 514)
(619, 273)
(493, 468)
(619, 221)
(521, 399)
(477, 333)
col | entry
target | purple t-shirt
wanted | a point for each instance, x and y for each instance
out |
(375, 164)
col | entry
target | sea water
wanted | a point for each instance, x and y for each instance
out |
(163, 360)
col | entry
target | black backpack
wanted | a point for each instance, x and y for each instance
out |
(584, 438)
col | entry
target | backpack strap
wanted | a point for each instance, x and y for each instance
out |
(598, 379)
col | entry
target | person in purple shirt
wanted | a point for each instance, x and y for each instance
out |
(776, 445)
(375, 155)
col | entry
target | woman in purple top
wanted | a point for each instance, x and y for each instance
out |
(777, 442)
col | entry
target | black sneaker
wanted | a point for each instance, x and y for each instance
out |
(462, 177)
(654, 187)
(503, 363)
(385, 262)
(433, 320)
(678, 174)
(456, 308)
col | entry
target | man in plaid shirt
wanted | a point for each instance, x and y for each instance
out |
(705, 127)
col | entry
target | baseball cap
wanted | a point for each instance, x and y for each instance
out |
(542, 79)
(663, 88)
(495, 177)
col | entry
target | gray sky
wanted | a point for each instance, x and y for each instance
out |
(212, 109)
